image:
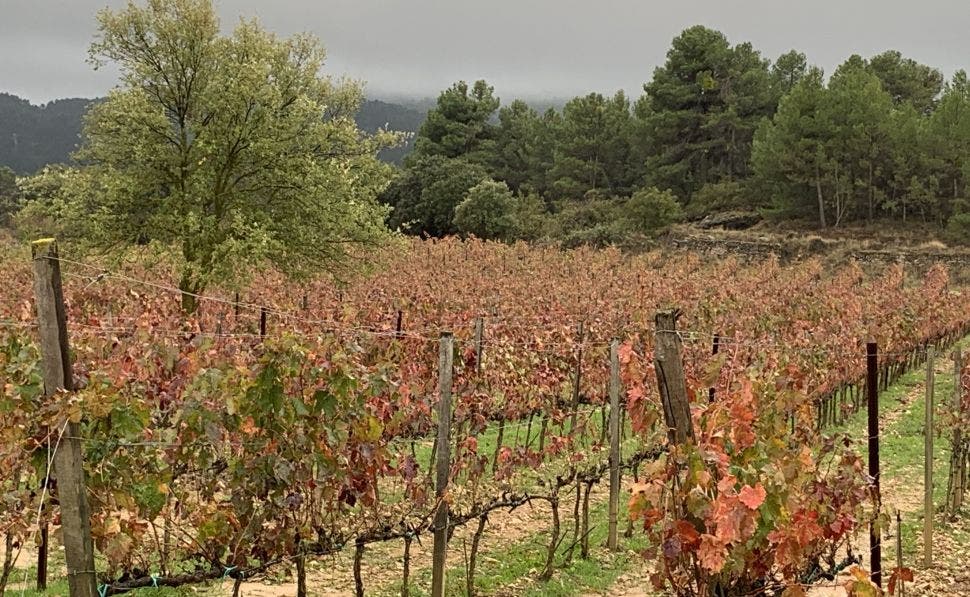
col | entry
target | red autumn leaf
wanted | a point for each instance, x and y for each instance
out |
(904, 574)
(711, 554)
(752, 497)
(687, 533)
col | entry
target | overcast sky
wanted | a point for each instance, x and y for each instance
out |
(527, 48)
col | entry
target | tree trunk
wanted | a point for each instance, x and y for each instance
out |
(8, 550)
(190, 286)
(821, 199)
(872, 197)
(473, 557)
(584, 531)
(553, 537)
(405, 586)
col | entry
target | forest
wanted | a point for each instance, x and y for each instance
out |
(883, 139)
(719, 128)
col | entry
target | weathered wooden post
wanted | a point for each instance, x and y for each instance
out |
(872, 389)
(714, 350)
(958, 456)
(899, 552)
(68, 455)
(446, 354)
(614, 506)
(928, 462)
(669, 365)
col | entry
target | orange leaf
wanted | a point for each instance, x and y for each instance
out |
(904, 574)
(711, 554)
(752, 497)
(687, 533)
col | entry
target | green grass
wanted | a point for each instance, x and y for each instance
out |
(902, 448)
(514, 569)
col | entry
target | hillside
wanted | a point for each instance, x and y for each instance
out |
(33, 136)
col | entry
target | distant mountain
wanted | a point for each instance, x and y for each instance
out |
(377, 114)
(32, 137)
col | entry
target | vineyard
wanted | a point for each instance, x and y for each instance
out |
(284, 422)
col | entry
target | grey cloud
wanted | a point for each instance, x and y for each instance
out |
(524, 47)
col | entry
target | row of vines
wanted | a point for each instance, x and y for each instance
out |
(216, 448)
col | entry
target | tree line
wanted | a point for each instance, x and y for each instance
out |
(718, 127)
(34, 136)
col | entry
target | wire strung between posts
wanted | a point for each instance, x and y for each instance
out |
(392, 442)
(330, 325)
(548, 348)
(327, 325)
(17, 324)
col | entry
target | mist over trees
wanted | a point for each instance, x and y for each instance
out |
(718, 128)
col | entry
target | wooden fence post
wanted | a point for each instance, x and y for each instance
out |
(68, 455)
(262, 322)
(872, 389)
(714, 350)
(446, 354)
(669, 365)
(928, 462)
(42, 554)
(614, 506)
(479, 341)
(899, 552)
(958, 456)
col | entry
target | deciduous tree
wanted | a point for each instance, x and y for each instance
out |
(230, 149)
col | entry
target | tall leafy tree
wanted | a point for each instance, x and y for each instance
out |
(486, 211)
(912, 174)
(705, 104)
(460, 124)
(593, 147)
(949, 130)
(858, 108)
(424, 195)
(517, 154)
(907, 81)
(835, 147)
(547, 141)
(788, 70)
(790, 153)
(230, 149)
(10, 195)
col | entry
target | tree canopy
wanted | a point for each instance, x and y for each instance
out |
(721, 128)
(228, 132)
(232, 149)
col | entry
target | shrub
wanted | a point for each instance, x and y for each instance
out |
(486, 211)
(651, 210)
(958, 228)
(715, 197)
